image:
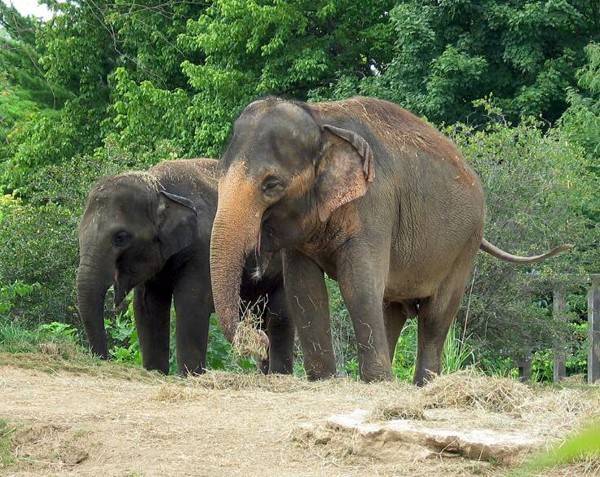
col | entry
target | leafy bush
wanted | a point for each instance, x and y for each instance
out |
(56, 330)
(15, 338)
(39, 246)
(9, 294)
(123, 344)
(541, 192)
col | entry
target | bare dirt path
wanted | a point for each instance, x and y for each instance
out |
(80, 424)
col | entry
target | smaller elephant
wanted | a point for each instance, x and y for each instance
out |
(150, 231)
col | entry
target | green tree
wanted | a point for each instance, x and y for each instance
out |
(581, 121)
(297, 48)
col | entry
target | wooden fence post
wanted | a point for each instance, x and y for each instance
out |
(558, 313)
(524, 365)
(594, 329)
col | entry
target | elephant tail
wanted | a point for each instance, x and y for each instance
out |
(507, 257)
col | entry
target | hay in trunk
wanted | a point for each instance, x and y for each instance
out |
(249, 339)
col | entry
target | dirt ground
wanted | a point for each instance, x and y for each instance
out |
(106, 423)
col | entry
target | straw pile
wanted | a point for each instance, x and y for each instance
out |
(470, 389)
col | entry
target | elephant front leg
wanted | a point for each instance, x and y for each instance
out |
(308, 306)
(193, 306)
(362, 286)
(281, 335)
(152, 304)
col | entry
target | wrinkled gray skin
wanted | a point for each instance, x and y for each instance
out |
(151, 232)
(366, 192)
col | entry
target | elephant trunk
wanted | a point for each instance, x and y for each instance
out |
(235, 232)
(92, 283)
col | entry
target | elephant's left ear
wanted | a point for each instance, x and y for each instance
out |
(176, 223)
(345, 169)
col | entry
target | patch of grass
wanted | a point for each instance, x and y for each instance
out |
(458, 353)
(6, 454)
(15, 339)
(51, 360)
(579, 454)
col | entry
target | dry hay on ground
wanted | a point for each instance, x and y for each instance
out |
(464, 389)
(196, 386)
(470, 389)
(466, 413)
(93, 421)
(49, 443)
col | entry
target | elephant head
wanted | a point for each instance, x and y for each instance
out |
(284, 173)
(130, 228)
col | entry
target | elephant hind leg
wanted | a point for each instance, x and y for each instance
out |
(394, 317)
(435, 316)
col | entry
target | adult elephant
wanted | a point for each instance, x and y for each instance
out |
(150, 231)
(365, 191)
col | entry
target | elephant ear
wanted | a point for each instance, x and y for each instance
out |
(177, 219)
(345, 169)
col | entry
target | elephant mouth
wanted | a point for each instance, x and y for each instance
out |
(122, 285)
(258, 268)
(120, 293)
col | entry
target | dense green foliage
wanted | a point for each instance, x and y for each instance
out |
(524, 54)
(109, 85)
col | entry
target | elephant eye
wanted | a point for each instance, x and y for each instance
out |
(271, 186)
(121, 238)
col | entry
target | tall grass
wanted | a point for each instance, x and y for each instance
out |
(458, 353)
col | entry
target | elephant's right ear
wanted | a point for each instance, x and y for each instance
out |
(176, 223)
(344, 171)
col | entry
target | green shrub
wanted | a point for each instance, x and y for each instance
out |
(540, 191)
(542, 366)
(38, 245)
(57, 330)
(9, 294)
(17, 339)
